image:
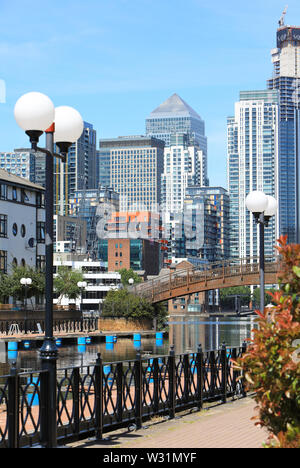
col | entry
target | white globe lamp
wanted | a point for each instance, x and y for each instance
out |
(272, 207)
(34, 113)
(257, 201)
(68, 127)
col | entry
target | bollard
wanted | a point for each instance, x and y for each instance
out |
(12, 346)
(81, 340)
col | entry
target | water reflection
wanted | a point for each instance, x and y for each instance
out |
(185, 334)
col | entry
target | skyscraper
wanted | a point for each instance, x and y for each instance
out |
(175, 116)
(136, 165)
(252, 165)
(184, 165)
(286, 78)
(79, 172)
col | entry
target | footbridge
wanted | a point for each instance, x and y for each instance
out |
(190, 280)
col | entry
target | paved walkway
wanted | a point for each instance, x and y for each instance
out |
(221, 426)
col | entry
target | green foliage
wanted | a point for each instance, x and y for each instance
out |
(4, 288)
(127, 274)
(65, 283)
(272, 363)
(122, 303)
(226, 301)
(268, 298)
(11, 286)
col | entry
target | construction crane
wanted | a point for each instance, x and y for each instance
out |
(281, 21)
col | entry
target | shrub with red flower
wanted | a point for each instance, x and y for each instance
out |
(271, 366)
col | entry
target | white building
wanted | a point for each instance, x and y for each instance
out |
(22, 222)
(185, 164)
(99, 282)
(252, 165)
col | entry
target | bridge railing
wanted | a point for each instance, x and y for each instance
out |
(189, 276)
(102, 397)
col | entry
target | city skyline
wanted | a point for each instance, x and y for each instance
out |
(130, 55)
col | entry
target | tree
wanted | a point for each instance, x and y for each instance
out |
(227, 299)
(126, 275)
(65, 283)
(268, 299)
(122, 303)
(14, 288)
(271, 365)
(4, 288)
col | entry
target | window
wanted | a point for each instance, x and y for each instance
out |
(40, 262)
(23, 230)
(3, 261)
(40, 232)
(40, 200)
(24, 196)
(3, 192)
(14, 193)
(3, 225)
(15, 229)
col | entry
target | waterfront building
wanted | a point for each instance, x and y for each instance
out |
(78, 173)
(22, 223)
(136, 165)
(185, 164)
(216, 205)
(200, 232)
(286, 79)
(252, 164)
(98, 280)
(142, 255)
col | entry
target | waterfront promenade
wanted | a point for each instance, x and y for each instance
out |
(218, 426)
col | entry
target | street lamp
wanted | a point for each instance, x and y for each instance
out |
(25, 282)
(263, 207)
(81, 285)
(131, 281)
(35, 113)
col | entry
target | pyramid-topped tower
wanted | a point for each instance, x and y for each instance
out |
(175, 116)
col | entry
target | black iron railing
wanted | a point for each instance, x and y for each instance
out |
(95, 399)
(29, 326)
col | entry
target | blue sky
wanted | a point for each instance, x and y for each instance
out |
(117, 60)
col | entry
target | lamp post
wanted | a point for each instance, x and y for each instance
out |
(35, 114)
(82, 285)
(25, 282)
(263, 207)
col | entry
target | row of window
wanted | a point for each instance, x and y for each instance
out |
(3, 229)
(40, 262)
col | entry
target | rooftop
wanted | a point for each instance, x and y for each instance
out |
(174, 106)
(16, 180)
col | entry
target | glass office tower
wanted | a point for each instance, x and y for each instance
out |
(252, 164)
(286, 75)
(176, 116)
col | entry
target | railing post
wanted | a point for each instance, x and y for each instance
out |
(13, 408)
(99, 398)
(155, 385)
(224, 372)
(234, 371)
(186, 367)
(76, 402)
(44, 408)
(138, 404)
(200, 377)
(212, 369)
(244, 350)
(119, 391)
(172, 383)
